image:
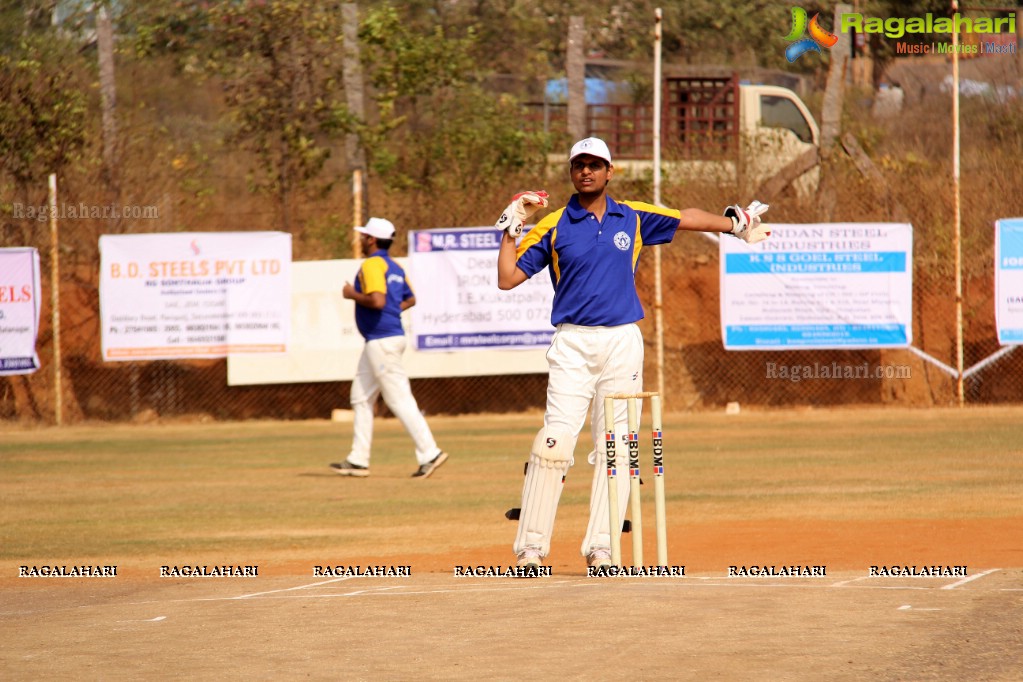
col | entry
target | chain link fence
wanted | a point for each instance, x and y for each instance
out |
(698, 373)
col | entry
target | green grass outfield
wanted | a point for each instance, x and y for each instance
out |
(261, 492)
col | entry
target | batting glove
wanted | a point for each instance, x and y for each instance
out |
(746, 222)
(522, 206)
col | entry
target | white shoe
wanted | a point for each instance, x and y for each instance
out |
(425, 470)
(599, 557)
(346, 468)
(529, 557)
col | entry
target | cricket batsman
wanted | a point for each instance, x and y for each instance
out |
(591, 249)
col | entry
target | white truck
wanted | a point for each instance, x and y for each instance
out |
(713, 129)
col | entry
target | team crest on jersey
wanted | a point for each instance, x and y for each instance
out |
(623, 241)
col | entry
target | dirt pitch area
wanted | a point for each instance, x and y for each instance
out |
(840, 489)
(436, 627)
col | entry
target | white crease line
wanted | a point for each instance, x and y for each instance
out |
(893, 587)
(366, 592)
(471, 587)
(582, 582)
(372, 590)
(688, 581)
(289, 589)
(843, 583)
(477, 587)
(727, 582)
(968, 579)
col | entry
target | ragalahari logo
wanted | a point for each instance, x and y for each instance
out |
(818, 36)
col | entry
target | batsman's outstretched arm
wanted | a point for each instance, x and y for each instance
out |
(509, 275)
(698, 220)
(743, 223)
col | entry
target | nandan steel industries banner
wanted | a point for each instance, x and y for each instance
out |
(458, 305)
(1009, 280)
(194, 294)
(20, 295)
(829, 285)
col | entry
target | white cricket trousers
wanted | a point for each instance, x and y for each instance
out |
(380, 372)
(587, 363)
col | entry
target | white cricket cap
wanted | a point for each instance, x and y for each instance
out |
(378, 227)
(594, 146)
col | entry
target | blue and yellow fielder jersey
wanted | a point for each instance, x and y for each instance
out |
(593, 264)
(380, 273)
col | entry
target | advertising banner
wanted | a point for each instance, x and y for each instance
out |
(1009, 280)
(194, 294)
(325, 344)
(20, 295)
(458, 304)
(829, 285)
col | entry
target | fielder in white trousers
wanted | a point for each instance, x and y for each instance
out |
(380, 372)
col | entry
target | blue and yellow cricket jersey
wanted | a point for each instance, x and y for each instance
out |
(380, 273)
(593, 264)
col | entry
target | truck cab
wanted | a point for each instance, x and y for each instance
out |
(777, 129)
(713, 129)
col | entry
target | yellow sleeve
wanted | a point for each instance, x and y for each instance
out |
(373, 275)
(539, 231)
(644, 207)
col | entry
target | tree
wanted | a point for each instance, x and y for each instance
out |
(280, 62)
(437, 128)
(42, 115)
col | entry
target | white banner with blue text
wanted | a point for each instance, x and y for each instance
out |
(194, 294)
(824, 285)
(1009, 280)
(458, 305)
(19, 310)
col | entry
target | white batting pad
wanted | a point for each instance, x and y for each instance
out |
(549, 460)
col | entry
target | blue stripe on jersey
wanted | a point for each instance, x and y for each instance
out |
(385, 323)
(593, 265)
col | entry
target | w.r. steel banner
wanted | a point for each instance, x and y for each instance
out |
(827, 285)
(458, 305)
